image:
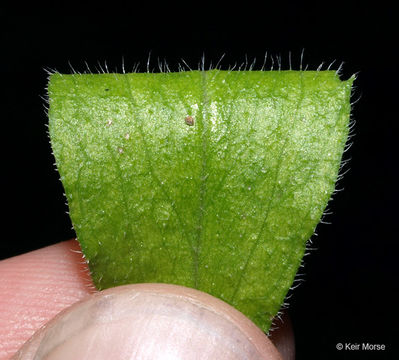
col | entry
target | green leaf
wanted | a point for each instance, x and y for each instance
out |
(209, 179)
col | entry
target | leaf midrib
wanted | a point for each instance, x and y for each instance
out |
(202, 129)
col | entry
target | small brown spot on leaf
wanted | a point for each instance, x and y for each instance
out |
(189, 120)
(109, 122)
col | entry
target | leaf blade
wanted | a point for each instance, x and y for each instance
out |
(225, 205)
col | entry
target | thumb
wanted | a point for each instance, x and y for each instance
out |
(150, 321)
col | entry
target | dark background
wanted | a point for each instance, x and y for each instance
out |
(351, 282)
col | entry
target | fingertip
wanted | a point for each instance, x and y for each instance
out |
(150, 321)
(35, 286)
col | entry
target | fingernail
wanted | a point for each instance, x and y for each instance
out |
(150, 321)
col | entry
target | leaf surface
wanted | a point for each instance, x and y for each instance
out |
(209, 179)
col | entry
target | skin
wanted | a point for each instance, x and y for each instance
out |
(42, 285)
